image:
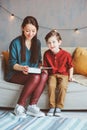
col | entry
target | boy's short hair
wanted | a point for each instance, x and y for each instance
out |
(53, 32)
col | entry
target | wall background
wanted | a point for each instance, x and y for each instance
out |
(58, 14)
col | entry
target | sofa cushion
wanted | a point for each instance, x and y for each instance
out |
(80, 61)
(6, 56)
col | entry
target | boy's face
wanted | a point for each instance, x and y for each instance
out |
(53, 44)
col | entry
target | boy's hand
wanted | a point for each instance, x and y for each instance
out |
(71, 79)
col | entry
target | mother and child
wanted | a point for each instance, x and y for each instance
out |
(24, 53)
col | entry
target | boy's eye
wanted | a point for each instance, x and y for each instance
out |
(53, 41)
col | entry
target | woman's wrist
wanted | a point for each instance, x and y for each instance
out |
(18, 67)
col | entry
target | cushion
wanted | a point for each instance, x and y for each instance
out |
(80, 61)
(6, 57)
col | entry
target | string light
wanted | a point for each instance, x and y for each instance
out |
(12, 16)
(77, 30)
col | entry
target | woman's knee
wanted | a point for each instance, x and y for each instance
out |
(35, 78)
(44, 75)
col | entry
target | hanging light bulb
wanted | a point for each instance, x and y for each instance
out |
(12, 17)
(76, 30)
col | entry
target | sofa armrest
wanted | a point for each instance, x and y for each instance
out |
(1, 67)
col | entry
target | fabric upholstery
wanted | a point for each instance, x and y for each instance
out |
(80, 61)
(6, 56)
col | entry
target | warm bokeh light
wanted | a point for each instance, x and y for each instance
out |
(12, 17)
(77, 31)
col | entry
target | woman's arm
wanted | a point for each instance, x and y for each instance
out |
(18, 67)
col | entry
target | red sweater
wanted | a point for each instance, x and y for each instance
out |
(60, 62)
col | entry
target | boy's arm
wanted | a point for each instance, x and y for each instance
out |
(71, 74)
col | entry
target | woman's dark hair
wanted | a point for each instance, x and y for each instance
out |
(53, 33)
(34, 45)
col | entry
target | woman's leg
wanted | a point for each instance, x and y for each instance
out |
(39, 89)
(19, 78)
(30, 86)
(30, 83)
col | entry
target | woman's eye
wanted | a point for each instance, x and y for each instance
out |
(26, 31)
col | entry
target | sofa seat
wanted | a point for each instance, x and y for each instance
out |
(9, 93)
(75, 97)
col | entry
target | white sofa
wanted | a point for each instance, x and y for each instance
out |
(76, 97)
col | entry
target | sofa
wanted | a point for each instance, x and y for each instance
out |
(76, 96)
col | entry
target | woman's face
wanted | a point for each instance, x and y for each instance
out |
(29, 31)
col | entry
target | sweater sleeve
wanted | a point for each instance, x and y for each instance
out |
(13, 54)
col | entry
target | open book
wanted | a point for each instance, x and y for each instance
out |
(37, 70)
(34, 70)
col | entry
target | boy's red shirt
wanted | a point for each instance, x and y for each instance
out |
(60, 62)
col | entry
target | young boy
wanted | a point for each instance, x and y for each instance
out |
(62, 71)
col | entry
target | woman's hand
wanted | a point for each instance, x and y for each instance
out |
(43, 70)
(18, 67)
(25, 69)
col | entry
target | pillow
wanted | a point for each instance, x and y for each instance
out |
(6, 57)
(80, 61)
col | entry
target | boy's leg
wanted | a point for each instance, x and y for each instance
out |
(62, 88)
(51, 89)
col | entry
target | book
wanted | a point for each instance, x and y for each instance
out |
(34, 70)
(37, 70)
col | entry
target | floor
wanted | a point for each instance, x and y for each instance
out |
(79, 114)
(10, 122)
(66, 113)
(76, 114)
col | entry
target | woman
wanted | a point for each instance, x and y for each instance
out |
(25, 52)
